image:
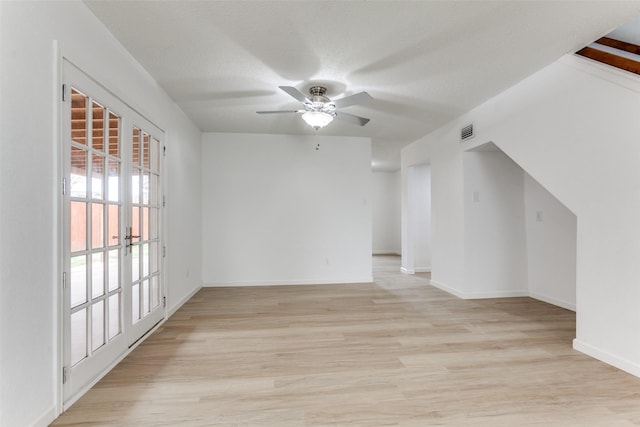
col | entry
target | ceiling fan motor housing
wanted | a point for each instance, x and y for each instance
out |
(320, 102)
(317, 90)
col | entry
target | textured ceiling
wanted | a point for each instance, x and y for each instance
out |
(424, 62)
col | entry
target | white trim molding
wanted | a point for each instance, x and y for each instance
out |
(180, 303)
(553, 301)
(498, 294)
(623, 78)
(387, 252)
(606, 357)
(46, 418)
(286, 283)
(480, 295)
(446, 288)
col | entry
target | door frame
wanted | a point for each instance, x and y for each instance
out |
(59, 60)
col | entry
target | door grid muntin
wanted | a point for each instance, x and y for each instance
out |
(95, 216)
(144, 234)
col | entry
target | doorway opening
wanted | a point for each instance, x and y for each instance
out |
(416, 250)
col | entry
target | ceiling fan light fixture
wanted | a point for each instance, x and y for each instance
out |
(317, 119)
(320, 110)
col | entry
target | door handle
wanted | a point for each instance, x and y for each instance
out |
(129, 238)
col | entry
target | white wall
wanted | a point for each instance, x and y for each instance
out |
(184, 215)
(519, 239)
(417, 257)
(573, 127)
(385, 198)
(594, 172)
(29, 192)
(551, 247)
(447, 206)
(2, 267)
(278, 211)
(494, 226)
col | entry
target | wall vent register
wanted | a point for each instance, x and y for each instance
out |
(466, 132)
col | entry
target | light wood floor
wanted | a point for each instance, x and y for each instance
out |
(396, 352)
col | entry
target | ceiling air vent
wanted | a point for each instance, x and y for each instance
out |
(466, 132)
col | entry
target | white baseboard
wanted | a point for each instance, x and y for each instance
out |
(180, 303)
(46, 418)
(446, 288)
(389, 252)
(553, 301)
(498, 294)
(479, 295)
(286, 282)
(606, 357)
(415, 270)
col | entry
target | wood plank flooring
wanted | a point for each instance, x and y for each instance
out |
(395, 352)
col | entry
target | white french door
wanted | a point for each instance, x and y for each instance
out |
(112, 264)
(143, 237)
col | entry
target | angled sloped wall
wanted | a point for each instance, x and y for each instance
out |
(551, 246)
(574, 128)
(495, 255)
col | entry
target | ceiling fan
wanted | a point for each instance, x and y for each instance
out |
(319, 110)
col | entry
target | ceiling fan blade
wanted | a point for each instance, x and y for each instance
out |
(357, 98)
(356, 120)
(279, 112)
(295, 93)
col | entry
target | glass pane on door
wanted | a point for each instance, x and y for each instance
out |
(78, 336)
(145, 225)
(94, 213)
(111, 230)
